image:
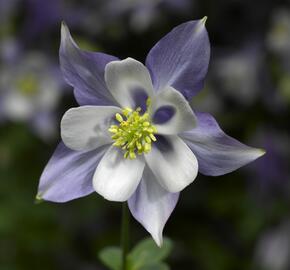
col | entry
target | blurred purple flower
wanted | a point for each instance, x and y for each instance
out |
(271, 173)
(9, 50)
(29, 91)
(41, 15)
(175, 141)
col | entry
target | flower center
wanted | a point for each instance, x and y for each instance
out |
(135, 133)
(27, 85)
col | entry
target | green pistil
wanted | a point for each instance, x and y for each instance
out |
(135, 133)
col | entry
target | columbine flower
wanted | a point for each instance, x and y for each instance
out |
(30, 91)
(135, 136)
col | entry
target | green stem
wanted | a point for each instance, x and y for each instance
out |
(124, 235)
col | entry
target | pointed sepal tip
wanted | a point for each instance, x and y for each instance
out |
(38, 199)
(204, 19)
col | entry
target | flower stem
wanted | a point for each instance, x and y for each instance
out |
(124, 235)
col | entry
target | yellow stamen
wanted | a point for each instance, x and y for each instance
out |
(119, 117)
(135, 133)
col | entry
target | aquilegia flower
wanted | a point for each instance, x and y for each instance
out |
(135, 137)
(30, 91)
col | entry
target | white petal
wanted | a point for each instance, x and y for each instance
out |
(181, 116)
(152, 205)
(129, 82)
(172, 162)
(86, 127)
(116, 178)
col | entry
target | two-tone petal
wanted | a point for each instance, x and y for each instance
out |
(216, 152)
(171, 113)
(129, 82)
(68, 174)
(172, 162)
(152, 205)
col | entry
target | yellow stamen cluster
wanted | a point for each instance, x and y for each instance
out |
(134, 134)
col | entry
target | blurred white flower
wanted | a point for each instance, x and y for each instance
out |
(278, 43)
(273, 249)
(278, 39)
(237, 73)
(140, 14)
(30, 91)
(143, 13)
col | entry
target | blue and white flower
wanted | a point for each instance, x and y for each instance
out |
(134, 137)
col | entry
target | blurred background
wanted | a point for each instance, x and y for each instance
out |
(234, 222)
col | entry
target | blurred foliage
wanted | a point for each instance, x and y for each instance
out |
(219, 223)
(144, 256)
